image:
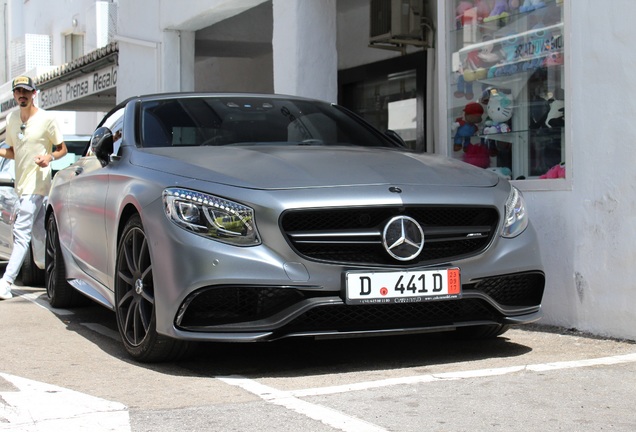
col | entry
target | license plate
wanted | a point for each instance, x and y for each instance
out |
(402, 286)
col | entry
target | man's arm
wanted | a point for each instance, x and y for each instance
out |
(7, 153)
(59, 150)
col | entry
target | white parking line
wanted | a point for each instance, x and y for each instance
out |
(40, 407)
(480, 373)
(36, 299)
(320, 413)
(338, 420)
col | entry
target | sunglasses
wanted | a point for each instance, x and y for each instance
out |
(21, 133)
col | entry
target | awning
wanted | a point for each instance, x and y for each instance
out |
(86, 84)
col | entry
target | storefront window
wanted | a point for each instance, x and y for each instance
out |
(389, 103)
(507, 91)
(389, 94)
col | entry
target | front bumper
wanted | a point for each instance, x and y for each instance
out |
(210, 291)
(268, 313)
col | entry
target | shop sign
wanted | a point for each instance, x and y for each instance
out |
(7, 105)
(80, 87)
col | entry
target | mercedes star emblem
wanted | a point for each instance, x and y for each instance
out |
(403, 238)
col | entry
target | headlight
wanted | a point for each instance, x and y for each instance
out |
(516, 217)
(210, 216)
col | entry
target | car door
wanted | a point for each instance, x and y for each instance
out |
(87, 212)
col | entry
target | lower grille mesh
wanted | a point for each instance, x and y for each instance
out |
(378, 317)
(219, 306)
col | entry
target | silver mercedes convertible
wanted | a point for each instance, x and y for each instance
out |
(242, 218)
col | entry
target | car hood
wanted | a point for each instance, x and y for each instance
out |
(285, 167)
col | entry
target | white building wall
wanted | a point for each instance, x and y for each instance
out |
(156, 45)
(588, 231)
(140, 48)
(55, 19)
(304, 44)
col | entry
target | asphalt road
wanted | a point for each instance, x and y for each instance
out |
(63, 370)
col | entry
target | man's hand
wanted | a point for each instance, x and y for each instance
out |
(43, 160)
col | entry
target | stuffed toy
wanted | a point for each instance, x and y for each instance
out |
(499, 11)
(469, 72)
(499, 111)
(556, 114)
(464, 88)
(474, 153)
(482, 10)
(467, 126)
(557, 171)
(530, 5)
(504, 172)
(487, 55)
(475, 67)
(461, 17)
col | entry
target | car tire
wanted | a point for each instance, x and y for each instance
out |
(135, 301)
(31, 274)
(58, 290)
(481, 331)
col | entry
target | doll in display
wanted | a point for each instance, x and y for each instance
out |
(557, 171)
(556, 114)
(467, 127)
(475, 67)
(499, 11)
(463, 18)
(478, 11)
(530, 5)
(470, 12)
(499, 107)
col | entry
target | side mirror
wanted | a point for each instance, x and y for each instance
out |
(102, 145)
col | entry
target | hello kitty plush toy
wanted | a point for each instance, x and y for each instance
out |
(499, 110)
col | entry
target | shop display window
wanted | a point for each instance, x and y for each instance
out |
(506, 101)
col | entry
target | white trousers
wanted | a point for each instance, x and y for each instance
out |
(28, 227)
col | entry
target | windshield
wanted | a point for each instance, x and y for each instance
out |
(241, 120)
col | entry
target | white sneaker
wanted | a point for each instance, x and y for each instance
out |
(5, 290)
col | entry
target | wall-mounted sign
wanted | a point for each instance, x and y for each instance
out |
(77, 88)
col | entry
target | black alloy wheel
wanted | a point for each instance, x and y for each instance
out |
(135, 300)
(58, 290)
(30, 273)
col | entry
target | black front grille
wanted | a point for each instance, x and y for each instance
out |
(235, 304)
(524, 289)
(354, 235)
(342, 318)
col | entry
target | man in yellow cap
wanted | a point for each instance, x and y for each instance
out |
(34, 140)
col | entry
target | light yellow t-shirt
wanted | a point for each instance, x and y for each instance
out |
(40, 135)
